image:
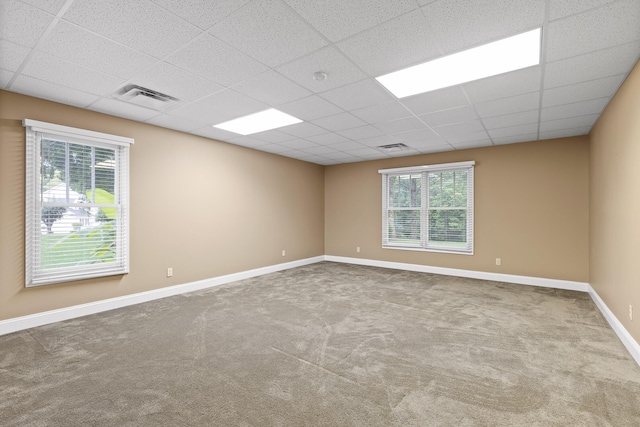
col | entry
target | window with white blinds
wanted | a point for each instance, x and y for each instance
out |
(77, 204)
(428, 208)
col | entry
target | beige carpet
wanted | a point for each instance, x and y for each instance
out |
(328, 345)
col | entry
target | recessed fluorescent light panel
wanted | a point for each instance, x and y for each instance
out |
(502, 56)
(258, 122)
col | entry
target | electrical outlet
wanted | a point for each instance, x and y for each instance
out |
(284, 252)
(169, 272)
(498, 261)
(358, 249)
(630, 312)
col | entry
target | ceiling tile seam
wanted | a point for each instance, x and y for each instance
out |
(473, 107)
(621, 75)
(207, 29)
(45, 34)
(543, 62)
(572, 15)
(591, 52)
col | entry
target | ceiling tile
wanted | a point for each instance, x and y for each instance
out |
(358, 95)
(310, 108)
(450, 116)
(591, 66)
(377, 141)
(568, 123)
(298, 144)
(328, 60)
(504, 85)
(122, 109)
(5, 78)
(339, 122)
(303, 130)
(177, 123)
(273, 136)
(382, 112)
(461, 24)
(516, 138)
(12, 55)
(275, 148)
(513, 104)
(173, 81)
(51, 6)
(361, 132)
(219, 107)
(417, 135)
(42, 89)
(320, 150)
(436, 100)
(327, 138)
(21, 23)
(513, 119)
(202, 13)
(347, 145)
(271, 88)
(616, 23)
(72, 43)
(141, 25)
(473, 144)
(459, 129)
(369, 153)
(479, 135)
(598, 88)
(435, 149)
(215, 60)
(268, 31)
(593, 106)
(560, 9)
(337, 19)
(396, 44)
(565, 133)
(65, 73)
(248, 141)
(529, 128)
(400, 125)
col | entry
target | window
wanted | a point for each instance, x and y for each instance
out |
(428, 208)
(77, 197)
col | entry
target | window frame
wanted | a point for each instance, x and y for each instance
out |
(35, 131)
(424, 245)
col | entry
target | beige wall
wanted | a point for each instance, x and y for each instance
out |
(615, 204)
(531, 210)
(203, 207)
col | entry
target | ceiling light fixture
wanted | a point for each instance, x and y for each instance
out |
(502, 56)
(258, 122)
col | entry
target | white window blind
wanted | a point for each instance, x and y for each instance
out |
(428, 207)
(77, 204)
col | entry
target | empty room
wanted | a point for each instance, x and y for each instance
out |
(319, 213)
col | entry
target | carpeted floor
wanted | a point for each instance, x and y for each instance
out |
(328, 345)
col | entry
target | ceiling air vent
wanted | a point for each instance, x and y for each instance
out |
(146, 97)
(394, 147)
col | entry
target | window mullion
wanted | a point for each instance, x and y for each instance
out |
(424, 207)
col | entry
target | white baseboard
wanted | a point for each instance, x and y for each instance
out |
(498, 277)
(25, 322)
(632, 346)
(44, 318)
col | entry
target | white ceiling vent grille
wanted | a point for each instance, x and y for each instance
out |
(146, 97)
(394, 147)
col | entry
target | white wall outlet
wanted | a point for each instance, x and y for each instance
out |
(284, 252)
(630, 312)
(169, 272)
(357, 248)
(498, 261)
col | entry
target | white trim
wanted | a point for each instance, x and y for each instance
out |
(25, 322)
(483, 275)
(440, 166)
(627, 340)
(45, 127)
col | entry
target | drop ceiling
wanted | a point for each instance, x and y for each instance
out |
(228, 58)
